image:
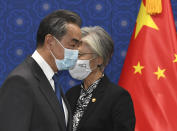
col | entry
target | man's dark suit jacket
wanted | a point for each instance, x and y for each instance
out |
(112, 111)
(28, 102)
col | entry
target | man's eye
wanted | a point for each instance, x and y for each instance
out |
(72, 45)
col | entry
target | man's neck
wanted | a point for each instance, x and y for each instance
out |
(48, 58)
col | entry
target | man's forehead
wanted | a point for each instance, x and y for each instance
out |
(74, 29)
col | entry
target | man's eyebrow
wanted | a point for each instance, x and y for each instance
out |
(75, 40)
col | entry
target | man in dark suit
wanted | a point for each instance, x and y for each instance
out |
(29, 98)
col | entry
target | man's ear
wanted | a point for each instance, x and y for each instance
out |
(48, 40)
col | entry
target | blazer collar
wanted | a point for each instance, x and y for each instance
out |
(97, 96)
(47, 91)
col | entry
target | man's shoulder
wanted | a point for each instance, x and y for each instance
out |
(21, 78)
(24, 69)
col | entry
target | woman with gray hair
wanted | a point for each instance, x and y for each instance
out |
(97, 104)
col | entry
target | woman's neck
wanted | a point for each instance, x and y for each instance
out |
(95, 75)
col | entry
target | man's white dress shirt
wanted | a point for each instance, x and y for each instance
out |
(49, 74)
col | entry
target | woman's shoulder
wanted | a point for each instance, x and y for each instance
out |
(117, 95)
(117, 90)
(114, 89)
(73, 91)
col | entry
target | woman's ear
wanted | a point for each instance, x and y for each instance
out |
(100, 62)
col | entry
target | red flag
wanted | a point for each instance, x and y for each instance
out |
(150, 70)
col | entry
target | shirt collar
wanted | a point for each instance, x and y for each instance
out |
(43, 64)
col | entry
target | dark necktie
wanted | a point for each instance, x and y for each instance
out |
(57, 88)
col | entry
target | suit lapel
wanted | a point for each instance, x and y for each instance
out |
(53, 101)
(97, 96)
(69, 124)
(48, 92)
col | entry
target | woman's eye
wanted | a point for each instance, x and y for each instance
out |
(80, 54)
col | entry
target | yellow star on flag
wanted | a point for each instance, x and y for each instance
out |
(175, 60)
(138, 68)
(160, 73)
(144, 19)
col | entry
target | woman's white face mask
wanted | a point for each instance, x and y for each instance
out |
(81, 70)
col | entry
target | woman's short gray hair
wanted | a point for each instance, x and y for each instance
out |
(100, 41)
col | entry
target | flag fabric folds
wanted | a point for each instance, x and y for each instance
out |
(150, 70)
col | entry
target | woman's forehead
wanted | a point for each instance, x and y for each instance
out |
(85, 46)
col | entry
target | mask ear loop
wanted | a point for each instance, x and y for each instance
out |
(51, 52)
(97, 65)
(53, 55)
(58, 42)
